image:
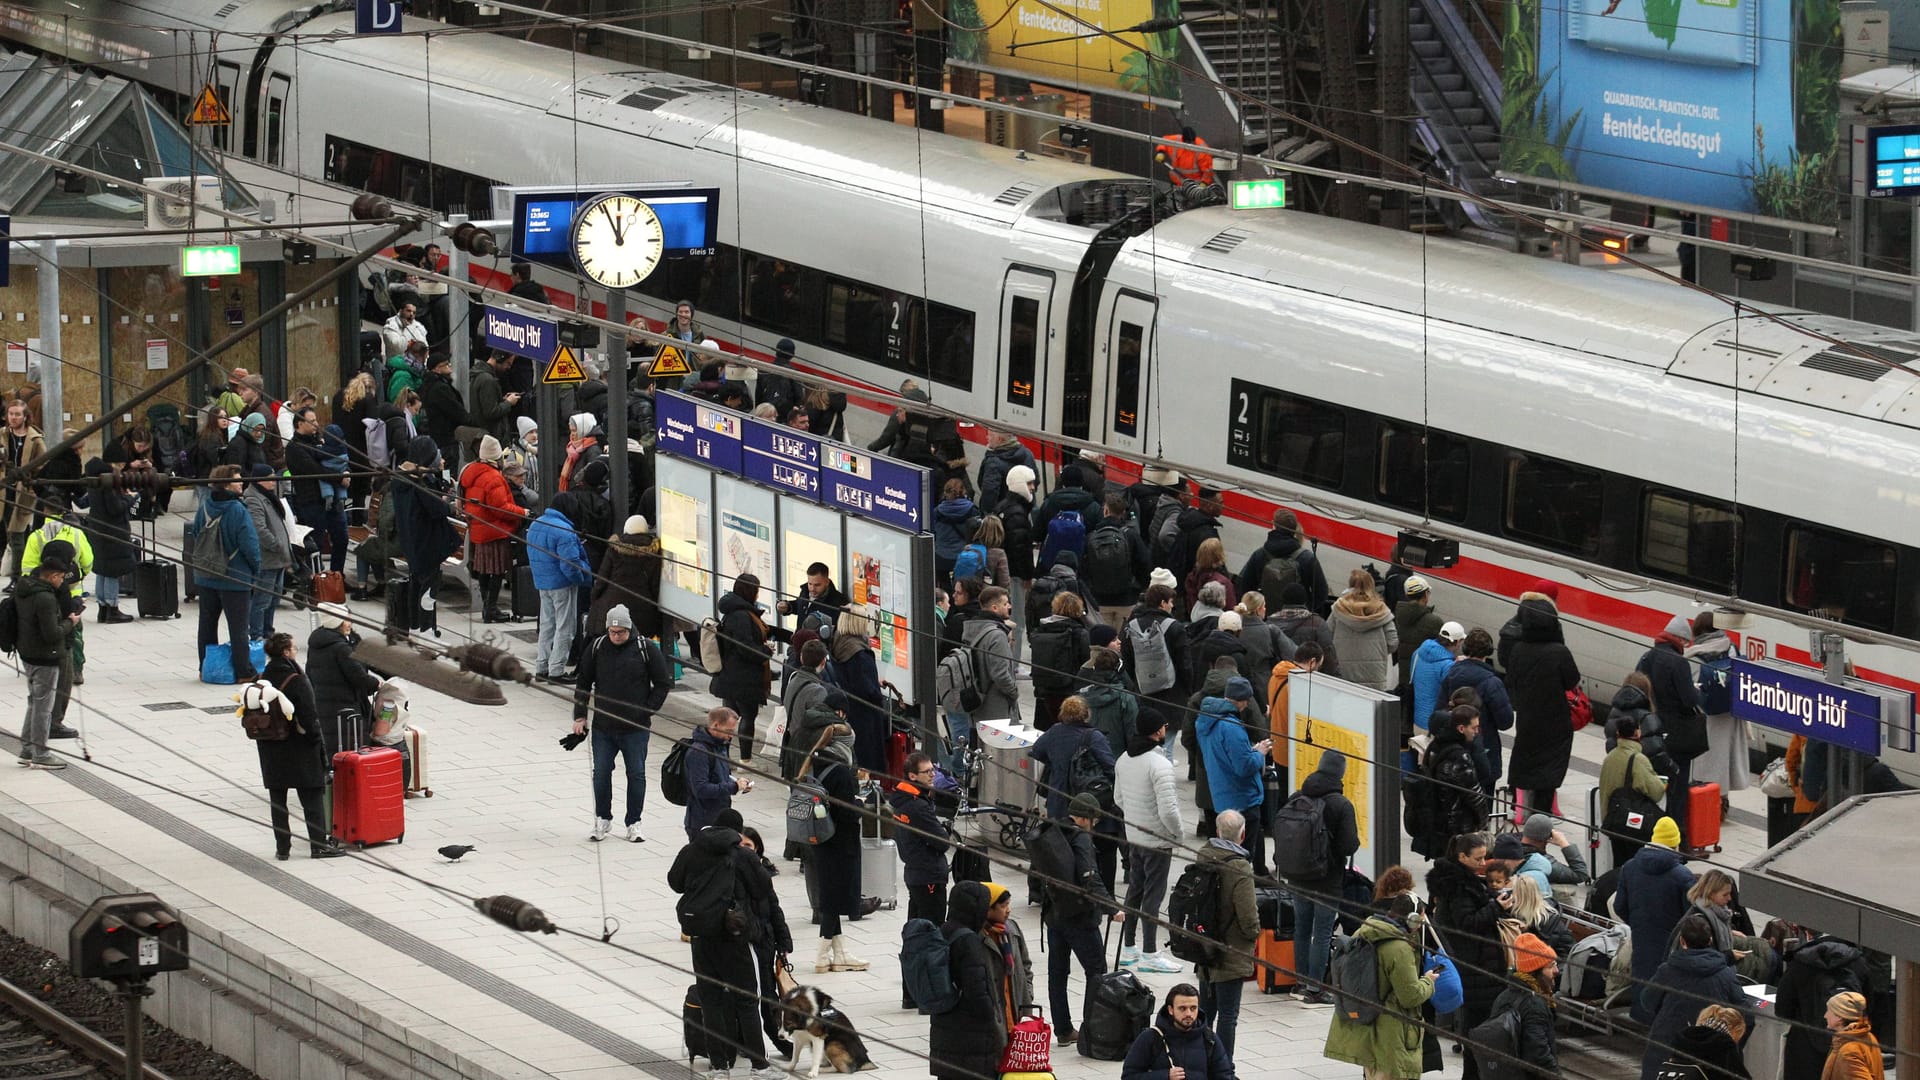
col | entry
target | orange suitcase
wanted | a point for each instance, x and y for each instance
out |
(1278, 953)
(1703, 816)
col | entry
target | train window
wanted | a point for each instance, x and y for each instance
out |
(1302, 439)
(277, 87)
(707, 280)
(1023, 342)
(1691, 539)
(866, 322)
(397, 176)
(1126, 378)
(1423, 470)
(1553, 504)
(1848, 578)
(943, 343)
(773, 293)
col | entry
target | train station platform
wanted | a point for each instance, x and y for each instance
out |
(365, 967)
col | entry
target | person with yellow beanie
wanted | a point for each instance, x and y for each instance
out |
(1856, 1053)
(1652, 897)
(1536, 971)
(1016, 968)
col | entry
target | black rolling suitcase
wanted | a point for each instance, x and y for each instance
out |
(1118, 1008)
(156, 582)
(400, 604)
(526, 598)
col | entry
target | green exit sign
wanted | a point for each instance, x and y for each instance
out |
(1258, 194)
(220, 259)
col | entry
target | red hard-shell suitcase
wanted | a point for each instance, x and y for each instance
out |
(1703, 815)
(369, 797)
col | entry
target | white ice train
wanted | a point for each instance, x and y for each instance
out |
(1571, 411)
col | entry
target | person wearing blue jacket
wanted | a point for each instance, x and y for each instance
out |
(710, 783)
(954, 523)
(1652, 898)
(227, 591)
(1431, 662)
(1234, 762)
(560, 568)
(1474, 669)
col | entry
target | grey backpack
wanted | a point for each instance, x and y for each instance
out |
(1152, 656)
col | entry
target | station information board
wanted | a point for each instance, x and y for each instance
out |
(1892, 163)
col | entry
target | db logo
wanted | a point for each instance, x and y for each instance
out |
(1756, 648)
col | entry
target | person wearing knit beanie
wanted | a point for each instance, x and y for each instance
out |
(490, 451)
(1855, 1053)
(1162, 576)
(1531, 954)
(636, 526)
(1529, 996)
(1666, 833)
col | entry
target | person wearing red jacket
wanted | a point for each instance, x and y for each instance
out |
(1189, 163)
(492, 519)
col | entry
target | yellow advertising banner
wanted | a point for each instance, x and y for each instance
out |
(1072, 44)
(1313, 738)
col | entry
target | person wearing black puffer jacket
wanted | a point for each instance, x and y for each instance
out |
(114, 553)
(967, 1041)
(341, 684)
(1676, 700)
(1178, 1039)
(743, 679)
(1467, 915)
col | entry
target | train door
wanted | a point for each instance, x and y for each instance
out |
(1129, 368)
(1026, 320)
(270, 126)
(226, 84)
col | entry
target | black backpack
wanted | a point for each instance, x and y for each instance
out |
(1302, 846)
(673, 774)
(1087, 775)
(926, 967)
(708, 908)
(1354, 972)
(1193, 907)
(9, 625)
(1056, 662)
(1280, 572)
(1107, 564)
(1500, 1036)
(1050, 860)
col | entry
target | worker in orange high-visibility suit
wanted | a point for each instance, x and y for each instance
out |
(1189, 162)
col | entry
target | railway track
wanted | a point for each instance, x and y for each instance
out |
(38, 1042)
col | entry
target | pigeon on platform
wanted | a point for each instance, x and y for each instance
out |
(454, 851)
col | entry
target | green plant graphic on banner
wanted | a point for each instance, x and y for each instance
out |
(1530, 142)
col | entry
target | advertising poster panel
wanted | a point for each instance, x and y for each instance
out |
(1333, 714)
(1725, 104)
(685, 494)
(1069, 44)
(879, 570)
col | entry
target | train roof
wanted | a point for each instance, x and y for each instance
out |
(1643, 322)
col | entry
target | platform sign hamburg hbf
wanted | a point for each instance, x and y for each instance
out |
(838, 477)
(1852, 714)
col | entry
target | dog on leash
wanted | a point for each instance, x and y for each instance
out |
(813, 1020)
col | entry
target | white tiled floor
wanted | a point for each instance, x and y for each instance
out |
(503, 784)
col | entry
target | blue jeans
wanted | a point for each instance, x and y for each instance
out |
(1313, 938)
(557, 609)
(106, 588)
(1220, 1008)
(265, 599)
(631, 744)
(1066, 940)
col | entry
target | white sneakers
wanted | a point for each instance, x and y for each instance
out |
(633, 834)
(1159, 963)
(601, 827)
(769, 1072)
(1129, 955)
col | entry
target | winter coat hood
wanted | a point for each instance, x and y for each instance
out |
(1698, 963)
(1828, 955)
(1709, 646)
(422, 452)
(1319, 784)
(967, 905)
(1280, 544)
(636, 544)
(1539, 621)
(1364, 612)
(1432, 652)
(716, 841)
(955, 511)
(1631, 698)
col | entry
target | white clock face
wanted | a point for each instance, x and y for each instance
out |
(617, 241)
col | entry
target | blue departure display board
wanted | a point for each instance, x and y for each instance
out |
(1893, 161)
(689, 222)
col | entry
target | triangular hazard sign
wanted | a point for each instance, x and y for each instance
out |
(208, 110)
(670, 360)
(564, 368)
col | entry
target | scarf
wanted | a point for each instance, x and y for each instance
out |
(1680, 644)
(845, 646)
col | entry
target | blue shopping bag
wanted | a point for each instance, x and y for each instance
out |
(1448, 994)
(217, 666)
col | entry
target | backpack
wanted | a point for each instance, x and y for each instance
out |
(9, 625)
(674, 785)
(1056, 662)
(808, 822)
(1066, 532)
(926, 967)
(956, 681)
(1107, 563)
(1302, 846)
(1166, 511)
(263, 722)
(710, 645)
(169, 440)
(972, 562)
(1280, 572)
(1501, 1036)
(1354, 971)
(1716, 686)
(1050, 861)
(1193, 907)
(206, 555)
(377, 453)
(707, 909)
(1040, 598)
(1152, 656)
(1087, 776)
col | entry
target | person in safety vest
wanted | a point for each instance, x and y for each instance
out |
(1188, 162)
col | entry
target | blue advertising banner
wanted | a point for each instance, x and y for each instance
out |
(701, 432)
(1771, 695)
(522, 335)
(841, 478)
(1717, 103)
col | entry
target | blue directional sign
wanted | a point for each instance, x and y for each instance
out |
(1773, 695)
(522, 335)
(376, 16)
(879, 489)
(705, 433)
(874, 487)
(781, 457)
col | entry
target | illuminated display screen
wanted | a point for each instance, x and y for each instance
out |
(689, 219)
(1893, 161)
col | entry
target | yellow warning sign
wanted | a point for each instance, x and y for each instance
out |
(563, 368)
(670, 360)
(208, 110)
